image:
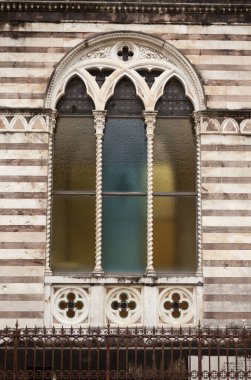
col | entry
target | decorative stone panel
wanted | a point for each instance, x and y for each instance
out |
(124, 306)
(70, 305)
(177, 306)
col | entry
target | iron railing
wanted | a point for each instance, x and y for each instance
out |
(138, 353)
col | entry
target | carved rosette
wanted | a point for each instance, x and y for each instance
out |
(176, 306)
(70, 306)
(123, 306)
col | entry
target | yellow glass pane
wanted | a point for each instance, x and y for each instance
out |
(73, 234)
(174, 234)
(174, 165)
(74, 154)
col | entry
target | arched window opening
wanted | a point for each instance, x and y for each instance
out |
(124, 182)
(74, 173)
(174, 184)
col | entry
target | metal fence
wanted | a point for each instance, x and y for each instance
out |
(125, 354)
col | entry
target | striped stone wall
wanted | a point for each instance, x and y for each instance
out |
(23, 202)
(220, 53)
(226, 220)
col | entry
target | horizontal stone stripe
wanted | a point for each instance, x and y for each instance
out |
(222, 271)
(22, 245)
(222, 163)
(31, 288)
(21, 279)
(21, 297)
(23, 80)
(226, 213)
(225, 52)
(226, 204)
(198, 59)
(34, 65)
(226, 222)
(215, 188)
(226, 263)
(21, 314)
(22, 178)
(236, 97)
(212, 92)
(233, 155)
(226, 196)
(22, 262)
(35, 270)
(31, 220)
(225, 229)
(226, 280)
(221, 67)
(20, 211)
(233, 315)
(227, 306)
(243, 172)
(223, 82)
(26, 162)
(223, 179)
(212, 44)
(25, 154)
(23, 103)
(227, 289)
(219, 104)
(31, 170)
(226, 255)
(19, 228)
(227, 237)
(22, 322)
(223, 148)
(220, 139)
(23, 146)
(231, 246)
(21, 95)
(39, 49)
(21, 254)
(227, 297)
(20, 306)
(24, 138)
(23, 187)
(25, 204)
(22, 237)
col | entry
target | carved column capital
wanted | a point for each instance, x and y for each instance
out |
(99, 122)
(150, 120)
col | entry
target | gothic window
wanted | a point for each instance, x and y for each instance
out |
(126, 170)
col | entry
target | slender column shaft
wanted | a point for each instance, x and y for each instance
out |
(99, 125)
(150, 119)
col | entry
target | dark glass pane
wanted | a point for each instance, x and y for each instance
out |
(125, 100)
(125, 155)
(100, 75)
(124, 234)
(174, 239)
(174, 156)
(74, 154)
(73, 233)
(150, 75)
(75, 100)
(173, 101)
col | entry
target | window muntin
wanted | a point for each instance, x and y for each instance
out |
(168, 165)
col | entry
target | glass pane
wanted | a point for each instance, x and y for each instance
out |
(124, 234)
(74, 154)
(125, 155)
(174, 234)
(73, 233)
(174, 166)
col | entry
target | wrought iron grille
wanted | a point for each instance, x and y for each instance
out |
(125, 354)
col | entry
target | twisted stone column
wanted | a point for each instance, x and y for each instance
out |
(150, 119)
(99, 125)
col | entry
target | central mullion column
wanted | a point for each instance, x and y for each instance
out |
(150, 120)
(99, 125)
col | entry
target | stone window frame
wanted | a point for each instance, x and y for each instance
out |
(148, 53)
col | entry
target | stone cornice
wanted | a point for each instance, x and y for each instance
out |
(115, 11)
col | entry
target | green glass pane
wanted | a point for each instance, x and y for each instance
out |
(73, 233)
(174, 234)
(74, 154)
(124, 155)
(124, 234)
(174, 166)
